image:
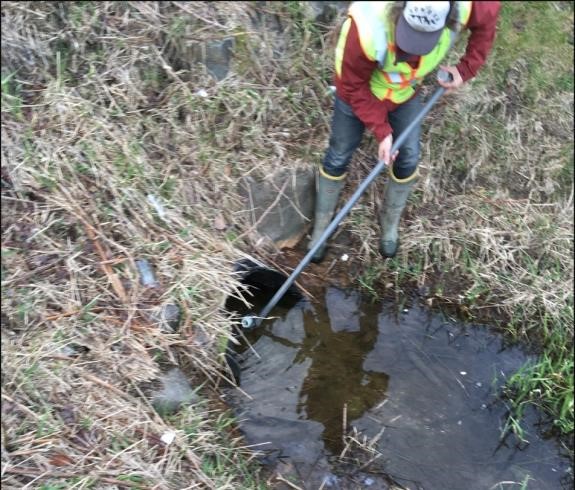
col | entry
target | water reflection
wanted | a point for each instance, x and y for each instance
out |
(425, 386)
(336, 342)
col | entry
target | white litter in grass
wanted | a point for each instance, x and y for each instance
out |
(463, 373)
(345, 258)
(153, 200)
(202, 93)
(168, 437)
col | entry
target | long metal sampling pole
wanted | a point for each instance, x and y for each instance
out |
(254, 321)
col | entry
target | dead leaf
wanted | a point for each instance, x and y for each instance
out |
(67, 414)
(220, 222)
(84, 438)
(60, 459)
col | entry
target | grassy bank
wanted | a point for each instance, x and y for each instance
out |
(103, 107)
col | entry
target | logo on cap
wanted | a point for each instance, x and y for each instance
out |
(426, 16)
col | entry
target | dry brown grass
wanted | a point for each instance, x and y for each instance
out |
(103, 107)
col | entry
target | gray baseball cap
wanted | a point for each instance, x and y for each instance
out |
(420, 26)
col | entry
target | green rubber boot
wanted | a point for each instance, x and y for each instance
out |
(395, 197)
(329, 189)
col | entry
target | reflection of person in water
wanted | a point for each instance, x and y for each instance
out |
(336, 376)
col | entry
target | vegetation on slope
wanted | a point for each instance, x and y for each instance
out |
(103, 107)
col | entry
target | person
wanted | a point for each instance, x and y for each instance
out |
(384, 51)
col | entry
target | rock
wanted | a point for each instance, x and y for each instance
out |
(285, 470)
(147, 277)
(281, 206)
(330, 480)
(72, 350)
(271, 29)
(343, 309)
(325, 12)
(216, 56)
(289, 328)
(176, 391)
(168, 317)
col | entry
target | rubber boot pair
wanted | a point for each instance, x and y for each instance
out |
(395, 197)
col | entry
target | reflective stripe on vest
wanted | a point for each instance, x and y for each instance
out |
(392, 81)
(341, 46)
(370, 19)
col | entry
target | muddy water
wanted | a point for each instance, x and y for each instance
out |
(419, 387)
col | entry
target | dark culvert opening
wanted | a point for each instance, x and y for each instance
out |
(261, 283)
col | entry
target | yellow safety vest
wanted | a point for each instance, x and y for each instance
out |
(395, 82)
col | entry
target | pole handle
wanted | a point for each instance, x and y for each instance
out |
(444, 76)
(251, 321)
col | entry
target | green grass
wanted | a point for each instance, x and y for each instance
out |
(546, 51)
(221, 453)
(548, 381)
(11, 101)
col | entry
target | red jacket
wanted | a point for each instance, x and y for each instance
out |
(353, 86)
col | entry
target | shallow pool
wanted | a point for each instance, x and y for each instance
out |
(417, 387)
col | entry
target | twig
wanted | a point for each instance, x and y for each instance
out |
(344, 423)
(22, 407)
(103, 383)
(104, 264)
(284, 271)
(57, 316)
(265, 213)
(51, 474)
(287, 482)
(371, 460)
(28, 275)
(195, 14)
(192, 458)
